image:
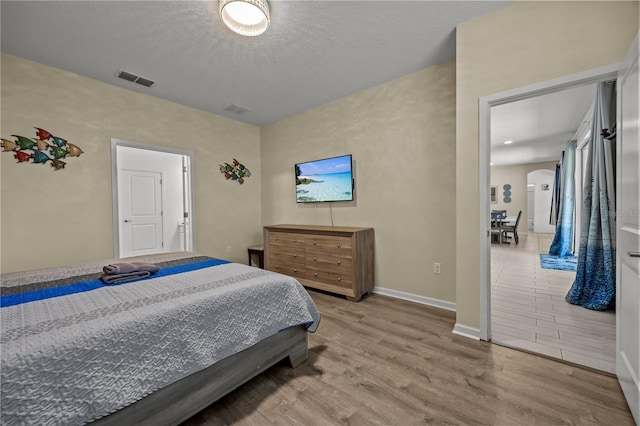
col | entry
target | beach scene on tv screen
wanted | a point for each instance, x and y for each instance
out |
(324, 180)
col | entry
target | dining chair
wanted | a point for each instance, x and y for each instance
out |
(497, 225)
(506, 229)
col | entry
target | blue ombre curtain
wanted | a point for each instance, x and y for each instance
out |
(594, 287)
(562, 245)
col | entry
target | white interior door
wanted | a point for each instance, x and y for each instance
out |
(141, 204)
(530, 207)
(628, 220)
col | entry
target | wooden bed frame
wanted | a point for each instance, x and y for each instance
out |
(179, 401)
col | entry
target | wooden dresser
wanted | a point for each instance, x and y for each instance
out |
(337, 259)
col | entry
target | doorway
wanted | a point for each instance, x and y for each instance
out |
(486, 103)
(538, 184)
(152, 199)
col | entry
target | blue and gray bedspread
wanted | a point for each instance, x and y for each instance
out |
(75, 357)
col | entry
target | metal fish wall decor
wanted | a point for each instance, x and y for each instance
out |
(44, 148)
(235, 171)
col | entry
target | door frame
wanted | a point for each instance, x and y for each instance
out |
(187, 200)
(609, 72)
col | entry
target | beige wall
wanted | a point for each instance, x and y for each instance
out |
(512, 47)
(516, 176)
(402, 137)
(51, 218)
(401, 134)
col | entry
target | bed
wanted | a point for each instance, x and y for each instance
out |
(152, 351)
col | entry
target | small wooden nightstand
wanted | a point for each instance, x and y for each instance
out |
(259, 251)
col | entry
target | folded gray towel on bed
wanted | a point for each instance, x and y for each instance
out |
(123, 278)
(126, 268)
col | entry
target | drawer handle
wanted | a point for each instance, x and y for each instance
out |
(277, 252)
(315, 243)
(295, 255)
(339, 262)
(315, 258)
(295, 270)
(338, 245)
(315, 274)
(634, 254)
(339, 279)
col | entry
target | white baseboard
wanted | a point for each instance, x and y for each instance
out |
(436, 303)
(465, 331)
(459, 329)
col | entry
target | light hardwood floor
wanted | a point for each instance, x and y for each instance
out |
(384, 361)
(528, 310)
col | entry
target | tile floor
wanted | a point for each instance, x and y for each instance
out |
(528, 310)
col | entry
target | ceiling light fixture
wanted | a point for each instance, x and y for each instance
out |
(245, 17)
(508, 142)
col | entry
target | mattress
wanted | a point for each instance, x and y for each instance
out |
(73, 358)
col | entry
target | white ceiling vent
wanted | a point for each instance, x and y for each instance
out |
(237, 109)
(135, 78)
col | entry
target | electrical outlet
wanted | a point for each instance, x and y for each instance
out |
(436, 268)
(228, 249)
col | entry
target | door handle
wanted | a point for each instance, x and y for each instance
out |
(634, 254)
(127, 221)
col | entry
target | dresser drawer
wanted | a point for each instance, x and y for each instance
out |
(325, 260)
(286, 253)
(288, 239)
(329, 243)
(284, 266)
(330, 277)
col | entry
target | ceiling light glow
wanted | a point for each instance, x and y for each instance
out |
(245, 17)
(508, 142)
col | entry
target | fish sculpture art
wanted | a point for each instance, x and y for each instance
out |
(24, 143)
(44, 147)
(21, 156)
(74, 150)
(59, 141)
(42, 134)
(40, 157)
(8, 145)
(58, 152)
(57, 164)
(235, 171)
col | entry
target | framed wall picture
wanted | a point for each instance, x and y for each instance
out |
(494, 195)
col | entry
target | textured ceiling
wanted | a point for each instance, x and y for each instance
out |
(314, 51)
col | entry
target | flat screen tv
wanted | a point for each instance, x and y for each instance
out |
(326, 180)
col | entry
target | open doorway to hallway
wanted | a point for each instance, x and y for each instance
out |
(528, 307)
(152, 199)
